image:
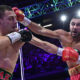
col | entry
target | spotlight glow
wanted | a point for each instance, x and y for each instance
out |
(63, 18)
(78, 13)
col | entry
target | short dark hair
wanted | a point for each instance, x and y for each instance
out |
(76, 17)
(3, 8)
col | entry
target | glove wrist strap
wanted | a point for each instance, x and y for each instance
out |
(14, 36)
(26, 21)
(59, 51)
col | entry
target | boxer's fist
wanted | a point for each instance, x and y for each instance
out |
(19, 14)
(26, 35)
(21, 17)
(14, 9)
(69, 54)
(22, 35)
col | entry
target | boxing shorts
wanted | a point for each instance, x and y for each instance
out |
(4, 75)
(74, 73)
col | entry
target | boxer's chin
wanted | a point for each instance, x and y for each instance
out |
(74, 35)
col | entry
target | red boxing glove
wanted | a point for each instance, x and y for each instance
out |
(19, 14)
(69, 54)
(14, 9)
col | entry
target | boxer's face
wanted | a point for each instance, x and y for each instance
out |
(75, 27)
(9, 22)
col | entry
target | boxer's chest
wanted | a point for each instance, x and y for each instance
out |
(69, 42)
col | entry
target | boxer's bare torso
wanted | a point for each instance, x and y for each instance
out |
(9, 56)
(67, 41)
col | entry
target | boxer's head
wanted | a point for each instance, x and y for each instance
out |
(3, 8)
(75, 26)
(7, 19)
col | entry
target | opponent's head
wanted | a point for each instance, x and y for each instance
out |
(7, 19)
(75, 26)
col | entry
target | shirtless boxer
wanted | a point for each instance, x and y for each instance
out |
(69, 40)
(11, 40)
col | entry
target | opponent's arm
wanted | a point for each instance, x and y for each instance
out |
(46, 46)
(35, 27)
(67, 53)
(46, 32)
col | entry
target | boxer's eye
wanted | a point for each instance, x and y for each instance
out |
(73, 24)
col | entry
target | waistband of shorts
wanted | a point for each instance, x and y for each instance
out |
(75, 70)
(6, 73)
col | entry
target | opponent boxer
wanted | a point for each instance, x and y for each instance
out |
(69, 40)
(11, 40)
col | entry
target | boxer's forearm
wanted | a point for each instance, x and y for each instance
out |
(19, 44)
(46, 46)
(34, 27)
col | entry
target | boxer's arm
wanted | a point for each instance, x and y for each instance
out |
(46, 32)
(46, 46)
(35, 27)
(4, 42)
(68, 53)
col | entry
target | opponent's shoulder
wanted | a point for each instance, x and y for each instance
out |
(61, 32)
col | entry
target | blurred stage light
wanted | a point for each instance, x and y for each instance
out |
(63, 18)
(78, 13)
(49, 25)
